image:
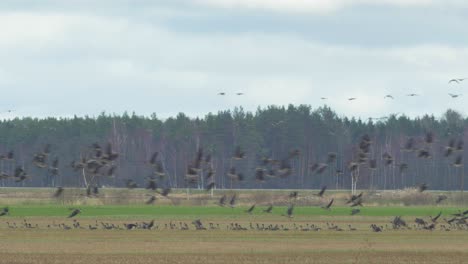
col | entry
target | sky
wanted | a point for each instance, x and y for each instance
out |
(64, 58)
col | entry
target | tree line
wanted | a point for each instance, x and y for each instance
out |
(271, 133)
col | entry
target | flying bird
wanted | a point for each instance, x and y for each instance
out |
(4, 211)
(210, 186)
(250, 210)
(222, 200)
(232, 202)
(352, 98)
(422, 187)
(355, 211)
(222, 93)
(151, 200)
(131, 184)
(328, 206)
(457, 80)
(454, 95)
(388, 96)
(440, 198)
(268, 210)
(74, 212)
(412, 94)
(434, 219)
(322, 191)
(58, 192)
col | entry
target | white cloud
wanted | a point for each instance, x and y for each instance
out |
(316, 6)
(86, 63)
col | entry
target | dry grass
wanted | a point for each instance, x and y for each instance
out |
(226, 246)
(77, 246)
(112, 196)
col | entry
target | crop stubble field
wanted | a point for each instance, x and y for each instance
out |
(164, 245)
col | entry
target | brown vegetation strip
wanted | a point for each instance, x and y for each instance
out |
(318, 257)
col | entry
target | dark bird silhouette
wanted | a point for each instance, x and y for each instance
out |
(352, 98)
(409, 145)
(321, 168)
(5, 211)
(388, 159)
(289, 211)
(109, 154)
(376, 228)
(154, 158)
(434, 219)
(454, 95)
(356, 202)
(331, 157)
(151, 200)
(458, 161)
(322, 191)
(355, 211)
(53, 169)
(268, 210)
(74, 212)
(402, 167)
(58, 192)
(460, 213)
(412, 94)
(239, 93)
(429, 138)
(293, 195)
(192, 175)
(456, 80)
(165, 191)
(159, 169)
(440, 198)
(460, 145)
(250, 210)
(423, 153)
(354, 198)
(20, 174)
(131, 184)
(88, 191)
(222, 93)
(422, 187)
(210, 186)
(352, 166)
(238, 153)
(388, 96)
(328, 206)
(260, 174)
(151, 185)
(222, 200)
(232, 202)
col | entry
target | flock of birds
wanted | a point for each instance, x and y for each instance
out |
(388, 96)
(456, 222)
(101, 162)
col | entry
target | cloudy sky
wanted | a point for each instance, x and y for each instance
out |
(60, 58)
